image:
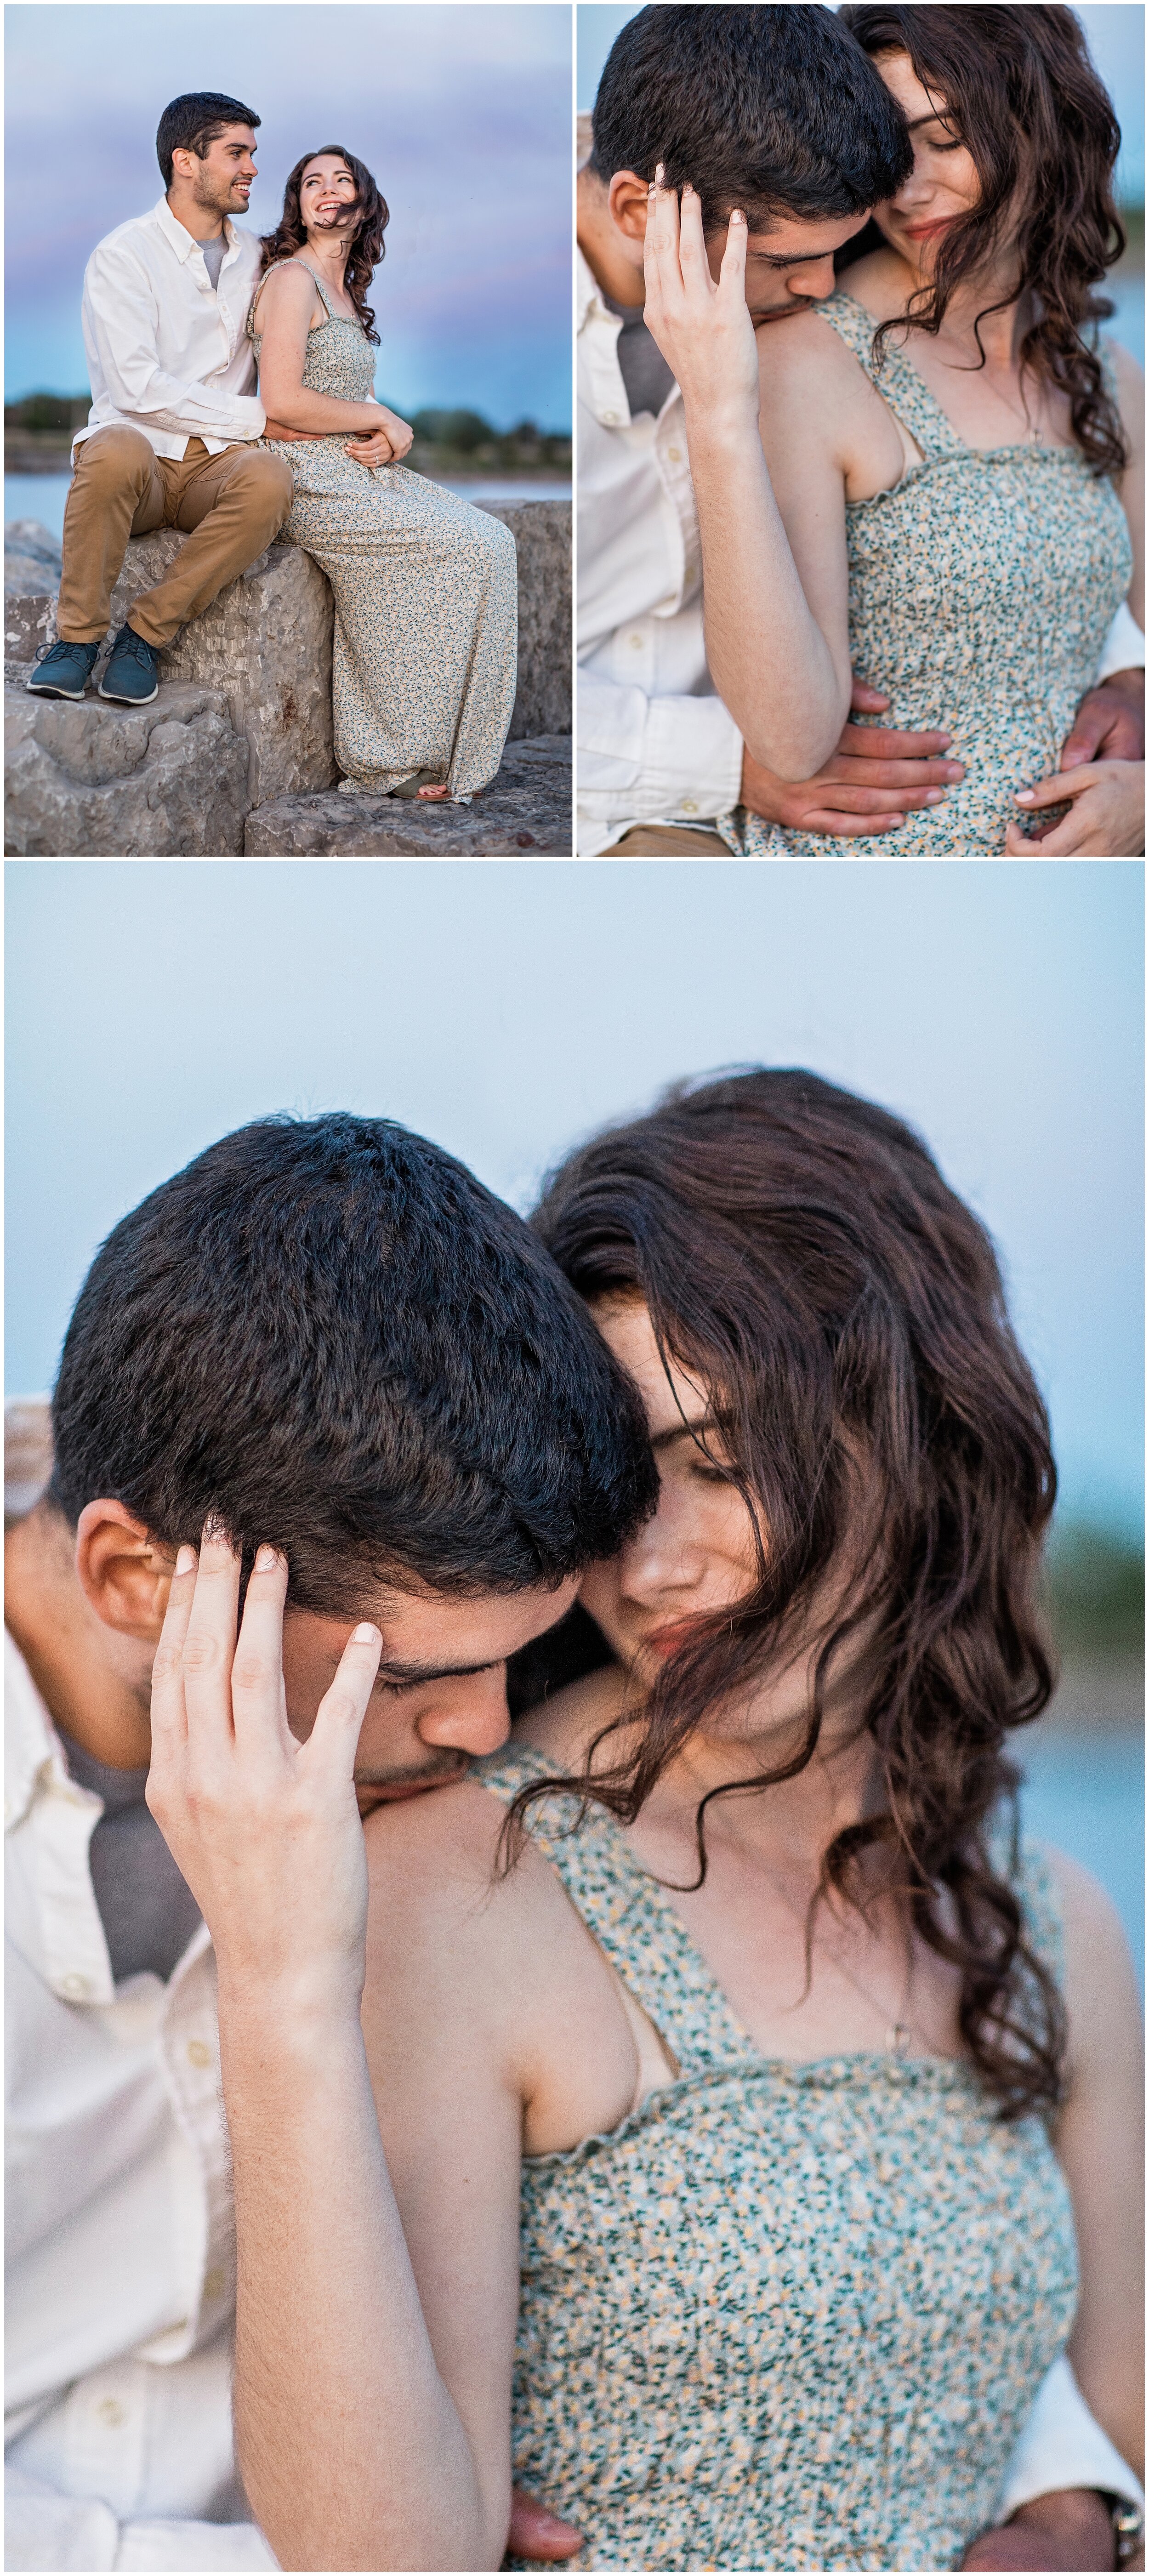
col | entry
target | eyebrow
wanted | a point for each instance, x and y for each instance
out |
(937, 116)
(786, 259)
(684, 1431)
(390, 1672)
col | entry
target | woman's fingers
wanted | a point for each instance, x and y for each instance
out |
(169, 1714)
(341, 1711)
(209, 1644)
(732, 275)
(692, 240)
(660, 260)
(257, 1671)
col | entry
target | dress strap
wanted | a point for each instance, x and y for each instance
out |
(628, 1913)
(893, 376)
(332, 316)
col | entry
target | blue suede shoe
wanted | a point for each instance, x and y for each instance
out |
(63, 670)
(133, 672)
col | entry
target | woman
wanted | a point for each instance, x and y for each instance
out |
(746, 2095)
(957, 470)
(425, 586)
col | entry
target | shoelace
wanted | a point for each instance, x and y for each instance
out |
(138, 647)
(43, 650)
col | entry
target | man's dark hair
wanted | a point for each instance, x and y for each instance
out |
(775, 110)
(192, 122)
(326, 1333)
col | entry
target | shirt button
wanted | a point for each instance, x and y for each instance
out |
(636, 643)
(214, 2282)
(76, 1986)
(688, 806)
(199, 2054)
(675, 455)
(111, 2412)
(610, 420)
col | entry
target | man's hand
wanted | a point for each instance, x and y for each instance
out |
(1070, 2529)
(537, 2533)
(874, 779)
(1109, 723)
(1106, 818)
(265, 1830)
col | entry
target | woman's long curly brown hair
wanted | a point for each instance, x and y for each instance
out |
(1019, 88)
(802, 1257)
(367, 248)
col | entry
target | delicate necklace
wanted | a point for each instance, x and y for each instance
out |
(900, 2033)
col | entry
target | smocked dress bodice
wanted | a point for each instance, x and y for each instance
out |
(982, 588)
(784, 2316)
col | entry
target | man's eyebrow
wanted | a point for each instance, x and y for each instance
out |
(684, 1431)
(788, 259)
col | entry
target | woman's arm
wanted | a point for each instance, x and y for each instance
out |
(353, 2450)
(1100, 2145)
(286, 304)
(778, 654)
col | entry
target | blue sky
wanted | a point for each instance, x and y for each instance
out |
(507, 1010)
(1114, 31)
(463, 114)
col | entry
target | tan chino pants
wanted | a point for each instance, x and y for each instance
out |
(667, 840)
(231, 505)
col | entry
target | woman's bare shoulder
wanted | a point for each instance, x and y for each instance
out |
(880, 282)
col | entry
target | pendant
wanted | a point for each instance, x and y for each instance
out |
(898, 2039)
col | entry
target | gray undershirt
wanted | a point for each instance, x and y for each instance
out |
(146, 1906)
(643, 368)
(214, 255)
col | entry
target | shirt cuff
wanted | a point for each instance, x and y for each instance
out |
(1062, 2445)
(691, 761)
(1124, 646)
(227, 2546)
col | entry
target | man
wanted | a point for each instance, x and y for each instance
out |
(171, 435)
(776, 110)
(326, 1331)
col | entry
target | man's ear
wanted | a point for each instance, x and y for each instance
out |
(627, 198)
(124, 1573)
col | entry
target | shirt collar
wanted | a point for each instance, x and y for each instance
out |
(32, 1745)
(178, 234)
(589, 297)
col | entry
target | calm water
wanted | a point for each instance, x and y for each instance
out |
(42, 496)
(1087, 1795)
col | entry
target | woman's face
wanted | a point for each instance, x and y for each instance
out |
(943, 183)
(327, 193)
(697, 1554)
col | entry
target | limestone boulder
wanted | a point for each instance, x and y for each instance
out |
(525, 812)
(31, 581)
(96, 781)
(266, 642)
(542, 534)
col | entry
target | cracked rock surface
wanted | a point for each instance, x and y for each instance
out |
(525, 812)
(164, 781)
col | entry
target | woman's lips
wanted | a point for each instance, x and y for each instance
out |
(667, 1640)
(921, 232)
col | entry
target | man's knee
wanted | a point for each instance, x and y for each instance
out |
(266, 484)
(113, 457)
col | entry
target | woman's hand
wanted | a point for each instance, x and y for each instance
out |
(373, 450)
(1071, 2529)
(265, 1830)
(703, 330)
(1108, 816)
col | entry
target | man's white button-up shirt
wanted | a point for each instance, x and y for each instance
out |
(120, 2237)
(168, 352)
(654, 741)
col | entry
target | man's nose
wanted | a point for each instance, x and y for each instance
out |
(817, 280)
(475, 1721)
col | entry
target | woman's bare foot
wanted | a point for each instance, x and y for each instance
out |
(432, 795)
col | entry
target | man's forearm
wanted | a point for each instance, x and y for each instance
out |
(352, 2452)
(768, 657)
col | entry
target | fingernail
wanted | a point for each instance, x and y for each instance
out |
(1025, 796)
(945, 740)
(265, 1560)
(955, 769)
(935, 795)
(737, 216)
(366, 1635)
(185, 1560)
(660, 175)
